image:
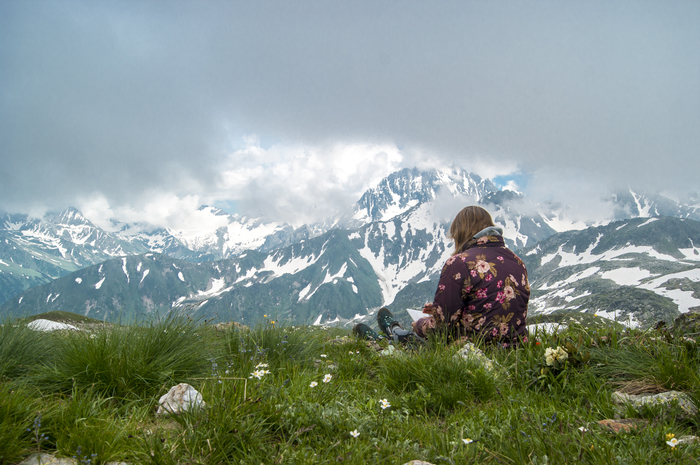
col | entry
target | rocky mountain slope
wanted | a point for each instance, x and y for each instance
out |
(640, 270)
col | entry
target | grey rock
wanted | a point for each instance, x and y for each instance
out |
(687, 323)
(180, 398)
(688, 440)
(665, 400)
(47, 459)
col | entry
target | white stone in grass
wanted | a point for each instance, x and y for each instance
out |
(180, 398)
(48, 325)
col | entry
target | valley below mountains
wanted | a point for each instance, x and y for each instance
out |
(386, 250)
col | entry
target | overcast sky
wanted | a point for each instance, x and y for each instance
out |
(291, 109)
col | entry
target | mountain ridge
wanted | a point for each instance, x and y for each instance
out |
(397, 229)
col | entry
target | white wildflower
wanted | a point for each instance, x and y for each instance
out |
(553, 355)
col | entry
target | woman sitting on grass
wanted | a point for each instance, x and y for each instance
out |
(483, 289)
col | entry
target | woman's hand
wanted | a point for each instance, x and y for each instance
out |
(428, 308)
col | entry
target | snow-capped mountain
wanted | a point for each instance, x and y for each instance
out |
(215, 235)
(404, 189)
(36, 251)
(393, 242)
(639, 270)
(39, 250)
(631, 204)
(321, 279)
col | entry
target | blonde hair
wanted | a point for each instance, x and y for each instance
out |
(469, 221)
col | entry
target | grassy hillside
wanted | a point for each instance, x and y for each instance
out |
(327, 397)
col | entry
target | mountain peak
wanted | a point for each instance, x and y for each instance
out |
(69, 216)
(409, 187)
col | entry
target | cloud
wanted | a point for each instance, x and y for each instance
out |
(301, 183)
(155, 210)
(147, 103)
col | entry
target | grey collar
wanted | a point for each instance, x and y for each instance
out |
(490, 231)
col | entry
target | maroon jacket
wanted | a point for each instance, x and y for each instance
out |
(482, 291)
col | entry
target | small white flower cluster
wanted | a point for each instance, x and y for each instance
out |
(385, 404)
(671, 440)
(326, 379)
(553, 355)
(258, 373)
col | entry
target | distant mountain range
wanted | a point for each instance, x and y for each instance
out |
(636, 271)
(387, 249)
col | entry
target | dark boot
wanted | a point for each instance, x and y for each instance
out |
(393, 329)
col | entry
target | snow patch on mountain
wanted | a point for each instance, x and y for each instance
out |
(124, 269)
(650, 220)
(627, 276)
(41, 324)
(644, 210)
(216, 287)
(306, 293)
(276, 264)
(683, 298)
(99, 283)
(571, 279)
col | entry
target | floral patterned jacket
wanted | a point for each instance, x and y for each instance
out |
(482, 291)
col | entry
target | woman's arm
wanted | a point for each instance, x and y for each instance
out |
(448, 304)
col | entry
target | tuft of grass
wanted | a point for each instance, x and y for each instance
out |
(437, 381)
(274, 345)
(21, 349)
(127, 362)
(18, 409)
(88, 427)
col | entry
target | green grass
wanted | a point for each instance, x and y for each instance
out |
(93, 395)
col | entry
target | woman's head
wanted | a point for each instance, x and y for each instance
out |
(469, 221)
